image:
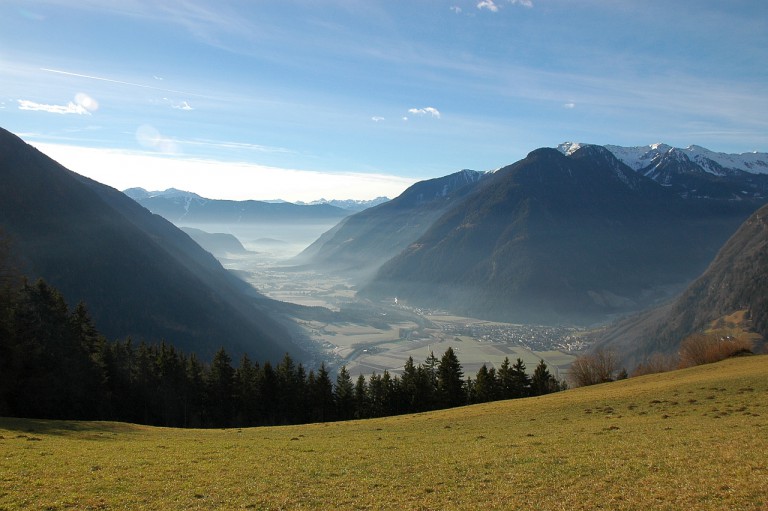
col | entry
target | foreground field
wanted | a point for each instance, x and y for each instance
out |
(692, 439)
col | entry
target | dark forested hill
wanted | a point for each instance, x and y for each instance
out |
(139, 275)
(560, 239)
(736, 280)
(364, 241)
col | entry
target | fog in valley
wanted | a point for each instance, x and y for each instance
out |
(371, 337)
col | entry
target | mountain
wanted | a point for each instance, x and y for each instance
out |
(365, 240)
(217, 243)
(559, 238)
(138, 274)
(696, 172)
(182, 207)
(737, 280)
(353, 205)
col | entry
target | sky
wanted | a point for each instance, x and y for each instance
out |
(355, 99)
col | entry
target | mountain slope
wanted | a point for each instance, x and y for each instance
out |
(557, 238)
(367, 239)
(736, 280)
(139, 275)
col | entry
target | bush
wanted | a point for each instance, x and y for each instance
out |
(656, 363)
(593, 368)
(700, 349)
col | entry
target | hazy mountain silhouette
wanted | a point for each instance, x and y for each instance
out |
(139, 275)
(182, 207)
(365, 240)
(560, 239)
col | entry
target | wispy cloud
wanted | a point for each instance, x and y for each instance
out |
(569, 105)
(430, 111)
(182, 106)
(83, 104)
(377, 119)
(492, 6)
(488, 4)
(456, 9)
(120, 82)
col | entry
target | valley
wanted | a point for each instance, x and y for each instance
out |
(376, 336)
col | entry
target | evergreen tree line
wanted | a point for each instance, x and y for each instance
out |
(55, 364)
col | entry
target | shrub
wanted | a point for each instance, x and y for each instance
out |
(593, 368)
(697, 349)
(656, 363)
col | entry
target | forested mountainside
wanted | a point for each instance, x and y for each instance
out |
(140, 275)
(737, 280)
(558, 238)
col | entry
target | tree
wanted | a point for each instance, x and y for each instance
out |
(450, 384)
(344, 395)
(593, 368)
(362, 404)
(219, 390)
(485, 386)
(542, 381)
(322, 396)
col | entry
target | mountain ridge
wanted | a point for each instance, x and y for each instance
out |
(139, 275)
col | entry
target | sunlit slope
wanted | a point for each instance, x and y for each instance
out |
(692, 439)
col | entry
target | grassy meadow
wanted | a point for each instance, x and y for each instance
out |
(690, 439)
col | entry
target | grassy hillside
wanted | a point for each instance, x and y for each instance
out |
(691, 439)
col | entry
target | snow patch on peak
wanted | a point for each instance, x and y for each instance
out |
(568, 148)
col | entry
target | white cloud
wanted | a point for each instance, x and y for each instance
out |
(377, 119)
(456, 9)
(431, 111)
(569, 105)
(182, 106)
(491, 4)
(82, 105)
(488, 4)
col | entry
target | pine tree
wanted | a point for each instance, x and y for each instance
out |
(542, 381)
(450, 384)
(344, 395)
(362, 408)
(219, 390)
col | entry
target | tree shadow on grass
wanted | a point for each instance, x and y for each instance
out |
(94, 430)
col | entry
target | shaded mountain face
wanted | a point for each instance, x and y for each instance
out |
(736, 280)
(138, 274)
(696, 172)
(217, 243)
(182, 207)
(364, 241)
(560, 239)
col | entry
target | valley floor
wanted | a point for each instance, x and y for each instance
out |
(689, 439)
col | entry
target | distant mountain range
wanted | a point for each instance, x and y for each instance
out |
(182, 207)
(140, 276)
(348, 204)
(695, 172)
(568, 236)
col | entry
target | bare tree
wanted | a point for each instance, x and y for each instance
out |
(593, 368)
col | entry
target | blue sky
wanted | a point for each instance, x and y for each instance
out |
(354, 99)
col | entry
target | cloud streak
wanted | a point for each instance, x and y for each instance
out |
(428, 111)
(119, 82)
(82, 105)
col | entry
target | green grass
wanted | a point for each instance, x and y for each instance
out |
(690, 439)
